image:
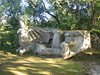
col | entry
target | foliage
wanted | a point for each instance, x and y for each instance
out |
(68, 14)
(9, 23)
(8, 37)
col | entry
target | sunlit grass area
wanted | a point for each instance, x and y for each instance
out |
(11, 64)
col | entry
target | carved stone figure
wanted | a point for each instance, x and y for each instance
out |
(36, 40)
(77, 41)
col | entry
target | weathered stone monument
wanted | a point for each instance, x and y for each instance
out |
(37, 40)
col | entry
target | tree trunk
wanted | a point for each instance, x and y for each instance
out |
(93, 14)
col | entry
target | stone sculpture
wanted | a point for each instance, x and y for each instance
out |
(36, 40)
(77, 41)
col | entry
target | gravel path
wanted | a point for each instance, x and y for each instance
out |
(95, 70)
(92, 69)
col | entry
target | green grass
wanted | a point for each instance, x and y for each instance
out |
(11, 64)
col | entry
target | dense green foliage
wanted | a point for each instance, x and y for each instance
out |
(63, 14)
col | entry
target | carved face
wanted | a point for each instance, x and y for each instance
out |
(74, 39)
(71, 35)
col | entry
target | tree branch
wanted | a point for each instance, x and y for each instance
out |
(55, 17)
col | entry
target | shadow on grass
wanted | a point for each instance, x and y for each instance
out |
(32, 65)
(40, 69)
(83, 57)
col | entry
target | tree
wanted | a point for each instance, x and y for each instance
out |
(9, 23)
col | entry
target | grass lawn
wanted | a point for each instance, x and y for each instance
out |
(11, 64)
